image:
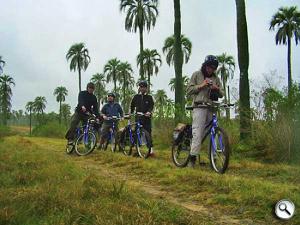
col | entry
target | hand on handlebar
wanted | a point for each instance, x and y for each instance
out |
(148, 114)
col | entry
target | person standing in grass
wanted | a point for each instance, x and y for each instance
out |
(204, 87)
(143, 102)
(87, 102)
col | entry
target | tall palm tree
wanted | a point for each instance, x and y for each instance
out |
(111, 70)
(226, 70)
(140, 14)
(2, 64)
(185, 79)
(287, 22)
(60, 93)
(160, 101)
(126, 80)
(99, 80)
(243, 60)
(39, 105)
(169, 49)
(29, 108)
(178, 61)
(150, 60)
(6, 82)
(80, 59)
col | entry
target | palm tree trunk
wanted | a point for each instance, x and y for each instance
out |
(141, 51)
(228, 91)
(124, 92)
(243, 59)
(178, 61)
(289, 68)
(149, 84)
(225, 95)
(79, 71)
(30, 121)
(59, 112)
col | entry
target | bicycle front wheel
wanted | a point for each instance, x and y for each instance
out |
(181, 151)
(125, 144)
(219, 151)
(85, 143)
(143, 143)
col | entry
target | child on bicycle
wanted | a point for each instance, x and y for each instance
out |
(204, 87)
(110, 109)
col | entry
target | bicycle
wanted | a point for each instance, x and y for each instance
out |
(138, 138)
(85, 139)
(111, 139)
(219, 148)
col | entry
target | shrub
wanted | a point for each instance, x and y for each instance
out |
(51, 129)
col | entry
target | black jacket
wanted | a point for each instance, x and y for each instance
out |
(142, 103)
(89, 101)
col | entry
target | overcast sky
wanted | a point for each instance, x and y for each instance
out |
(36, 35)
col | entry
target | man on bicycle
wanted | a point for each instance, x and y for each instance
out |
(110, 109)
(87, 102)
(204, 87)
(143, 102)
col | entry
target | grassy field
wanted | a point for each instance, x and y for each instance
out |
(40, 184)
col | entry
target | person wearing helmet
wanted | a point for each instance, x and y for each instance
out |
(111, 108)
(143, 102)
(87, 102)
(204, 87)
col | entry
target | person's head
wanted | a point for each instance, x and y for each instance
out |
(210, 65)
(143, 86)
(111, 97)
(90, 87)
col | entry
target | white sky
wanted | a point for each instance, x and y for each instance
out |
(36, 35)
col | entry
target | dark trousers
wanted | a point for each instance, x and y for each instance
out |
(76, 118)
(148, 127)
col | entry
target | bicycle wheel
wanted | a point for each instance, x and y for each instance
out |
(125, 143)
(142, 143)
(69, 148)
(219, 151)
(85, 143)
(181, 151)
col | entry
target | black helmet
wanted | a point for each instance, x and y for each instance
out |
(143, 83)
(211, 60)
(90, 85)
(111, 94)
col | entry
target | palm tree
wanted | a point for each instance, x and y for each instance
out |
(29, 108)
(226, 70)
(178, 61)
(99, 80)
(287, 21)
(111, 70)
(2, 64)
(140, 14)
(5, 96)
(126, 80)
(160, 101)
(168, 49)
(243, 60)
(39, 106)
(61, 93)
(186, 80)
(80, 59)
(149, 59)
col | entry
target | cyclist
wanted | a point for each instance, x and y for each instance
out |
(111, 108)
(143, 102)
(204, 87)
(87, 102)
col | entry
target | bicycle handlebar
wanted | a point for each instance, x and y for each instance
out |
(128, 116)
(209, 105)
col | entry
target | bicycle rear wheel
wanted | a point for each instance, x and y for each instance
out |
(85, 143)
(125, 144)
(219, 151)
(181, 151)
(142, 143)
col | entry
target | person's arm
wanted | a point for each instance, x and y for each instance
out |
(81, 102)
(96, 107)
(219, 87)
(133, 104)
(151, 104)
(121, 111)
(192, 87)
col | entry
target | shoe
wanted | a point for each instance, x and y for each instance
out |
(70, 142)
(151, 154)
(192, 161)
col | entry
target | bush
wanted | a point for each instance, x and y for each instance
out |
(4, 131)
(51, 129)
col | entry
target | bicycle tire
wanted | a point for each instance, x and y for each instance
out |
(82, 148)
(143, 148)
(223, 149)
(125, 145)
(184, 146)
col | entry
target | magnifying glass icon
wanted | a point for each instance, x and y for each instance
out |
(283, 208)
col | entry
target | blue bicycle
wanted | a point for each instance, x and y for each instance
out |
(86, 138)
(219, 148)
(138, 138)
(110, 140)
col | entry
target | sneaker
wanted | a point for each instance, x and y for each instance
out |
(192, 161)
(70, 142)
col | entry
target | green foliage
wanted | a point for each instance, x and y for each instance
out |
(4, 131)
(51, 129)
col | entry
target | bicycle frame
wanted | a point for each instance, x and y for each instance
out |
(137, 131)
